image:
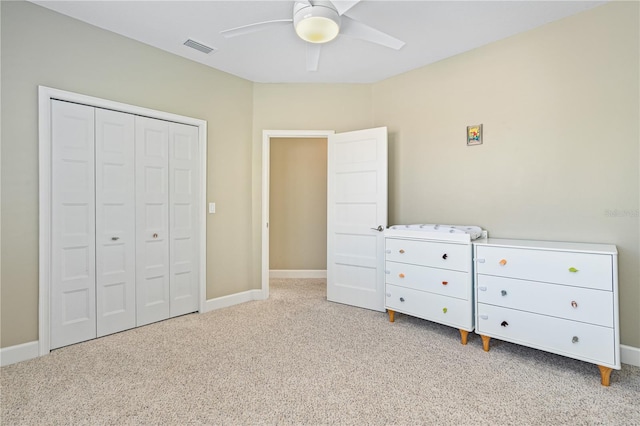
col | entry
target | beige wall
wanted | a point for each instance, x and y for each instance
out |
(40, 47)
(559, 106)
(298, 204)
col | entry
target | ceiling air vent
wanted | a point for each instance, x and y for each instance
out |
(198, 46)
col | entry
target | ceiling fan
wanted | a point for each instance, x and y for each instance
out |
(318, 22)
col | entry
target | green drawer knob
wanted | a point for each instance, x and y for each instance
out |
(572, 269)
(444, 310)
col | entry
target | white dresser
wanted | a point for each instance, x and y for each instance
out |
(429, 276)
(554, 296)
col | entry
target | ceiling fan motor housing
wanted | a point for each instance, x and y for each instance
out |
(316, 23)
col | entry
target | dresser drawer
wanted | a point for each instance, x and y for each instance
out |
(434, 280)
(587, 342)
(576, 269)
(429, 253)
(574, 303)
(442, 309)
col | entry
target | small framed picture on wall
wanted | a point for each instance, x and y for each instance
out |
(474, 135)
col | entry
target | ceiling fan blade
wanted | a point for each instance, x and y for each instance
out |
(313, 56)
(252, 28)
(342, 6)
(352, 28)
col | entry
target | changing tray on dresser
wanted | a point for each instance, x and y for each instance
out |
(554, 296)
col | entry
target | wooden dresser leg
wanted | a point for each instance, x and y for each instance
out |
(463, 336)
(485, 342)
(391, 315)
(605, 374)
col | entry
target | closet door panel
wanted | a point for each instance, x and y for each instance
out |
(73, 314)
(183, 217)
(115, 222)
(152, 220)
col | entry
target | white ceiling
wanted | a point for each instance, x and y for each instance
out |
(432, 30)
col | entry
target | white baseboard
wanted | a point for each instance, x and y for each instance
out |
(298, 273)
(232, 299)
(630, 355)
(17, 353)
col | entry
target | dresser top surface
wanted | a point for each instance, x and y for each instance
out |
(549, 245)
(430, 235)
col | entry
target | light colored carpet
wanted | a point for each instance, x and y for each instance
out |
(298, 359)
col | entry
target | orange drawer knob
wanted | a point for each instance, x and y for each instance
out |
(445, 282)
(503, 262)
(401, 275)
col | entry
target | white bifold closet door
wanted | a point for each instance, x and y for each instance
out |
(152, 220)
(184, 188)
(73, 260)
(124, 221)
(166, 219)
(115, 222)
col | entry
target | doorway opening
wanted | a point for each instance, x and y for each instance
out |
(267, 136)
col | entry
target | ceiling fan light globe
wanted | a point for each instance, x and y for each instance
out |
(317, 29)
(318, 23)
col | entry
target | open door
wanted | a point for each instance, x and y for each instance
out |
(356, 217)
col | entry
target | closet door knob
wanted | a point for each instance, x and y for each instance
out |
(155, 235)
(574, 304)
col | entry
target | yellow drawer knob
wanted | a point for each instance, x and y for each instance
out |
(503, 262)
(444, 310)
(572, 269)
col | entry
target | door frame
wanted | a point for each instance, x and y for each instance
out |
(45, 95)
(266, 180)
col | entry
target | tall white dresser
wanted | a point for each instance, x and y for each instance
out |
(428, 275)
(554, 296)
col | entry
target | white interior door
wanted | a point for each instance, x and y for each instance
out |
(183, 218)
(73, 309)
(152, 223)
(356, 217)
(115, 222)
